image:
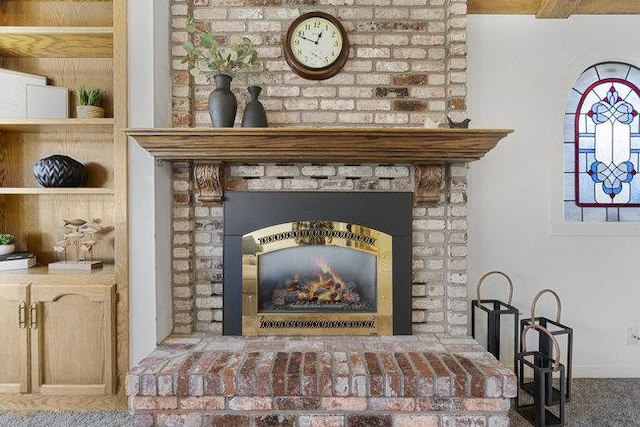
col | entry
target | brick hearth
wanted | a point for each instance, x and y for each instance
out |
(425, 380)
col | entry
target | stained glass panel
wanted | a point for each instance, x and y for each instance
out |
(602, 145)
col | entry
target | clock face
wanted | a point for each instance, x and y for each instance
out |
(316, 46)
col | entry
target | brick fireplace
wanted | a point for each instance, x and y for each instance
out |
(425, 378)
(363, 133)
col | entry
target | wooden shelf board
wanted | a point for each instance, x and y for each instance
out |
(305, 144)
(55, 42)
(40, 274)
(57, 125)
(51, 191)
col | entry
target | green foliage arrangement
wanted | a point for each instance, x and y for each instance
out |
(92, 97)
(7, 239)
(242, 54)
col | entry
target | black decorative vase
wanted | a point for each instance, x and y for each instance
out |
(59, 171)
(222, 103)
(254, 114)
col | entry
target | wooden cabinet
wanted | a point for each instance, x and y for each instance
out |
(14, 351)
(61, 339)
(72, 43)
(72, 339)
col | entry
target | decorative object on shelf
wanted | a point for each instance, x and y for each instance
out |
(222, 102)
(7, 243)
(22, 261)
(458, 125)
(59, 171)
(80, 235)
(90, 103)
(47, 102)
(13, 92)
(429, 123)
(254, 114)
(316, 46)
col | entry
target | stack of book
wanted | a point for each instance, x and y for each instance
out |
(17, 260)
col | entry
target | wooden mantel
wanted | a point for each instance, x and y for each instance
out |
(426, 149)
(327, 145)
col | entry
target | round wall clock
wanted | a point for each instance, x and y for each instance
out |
(316, 46)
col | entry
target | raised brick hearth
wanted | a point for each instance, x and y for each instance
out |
(425, 380)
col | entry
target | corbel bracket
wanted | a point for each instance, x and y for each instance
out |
(209, 177)
(428, 184)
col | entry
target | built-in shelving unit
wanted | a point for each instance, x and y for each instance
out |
(71, 43)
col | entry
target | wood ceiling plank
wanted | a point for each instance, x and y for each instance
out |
(609, 7)
(557, 9)
(531, 7)
(503, 7)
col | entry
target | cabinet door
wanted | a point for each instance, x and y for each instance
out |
(73, 339)
(14, 350)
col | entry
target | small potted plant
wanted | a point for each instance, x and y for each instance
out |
(7, 243)
(90, 102)
(222, 102)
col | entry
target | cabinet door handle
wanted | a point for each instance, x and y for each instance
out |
(22, 315)
(33, 313)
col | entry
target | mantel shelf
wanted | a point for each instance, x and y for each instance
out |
(428, 150)
(418, 146)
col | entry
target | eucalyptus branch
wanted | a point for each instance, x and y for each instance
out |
(242, 54)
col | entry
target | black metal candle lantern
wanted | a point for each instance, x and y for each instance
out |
(495, 309)
(555, 329)
(543, 367)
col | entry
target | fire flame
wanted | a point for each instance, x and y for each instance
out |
(327, 287)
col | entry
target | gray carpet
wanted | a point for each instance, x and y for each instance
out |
(597, 402)
(66, 419)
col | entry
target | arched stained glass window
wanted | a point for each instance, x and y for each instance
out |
(602, 145)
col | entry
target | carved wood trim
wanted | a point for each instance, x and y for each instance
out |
(209, 178)
(428, 184)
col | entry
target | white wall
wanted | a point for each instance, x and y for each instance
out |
(520, 72)
(149, 233)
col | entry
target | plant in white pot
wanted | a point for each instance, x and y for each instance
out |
(90, 102)
(7, 243)
(222, 102)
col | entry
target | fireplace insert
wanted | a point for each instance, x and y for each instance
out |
(320, 277)
(321, 263)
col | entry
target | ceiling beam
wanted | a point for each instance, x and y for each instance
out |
(531, 7)
(503, 7)
(557, 9)
(609, 7)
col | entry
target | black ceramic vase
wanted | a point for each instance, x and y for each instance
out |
(222, 103)
(59, 171)
(254, 114)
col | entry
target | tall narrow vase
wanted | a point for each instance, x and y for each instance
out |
(254, 114)
(222, 103)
